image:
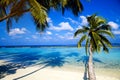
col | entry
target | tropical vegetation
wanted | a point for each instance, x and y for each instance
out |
(13, 10)
(95, 35)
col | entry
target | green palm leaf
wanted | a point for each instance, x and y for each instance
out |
(105, 40)
(38, 8)
(104, 47)
(81, 40)
(105, 32)
(79, 31)
(95, 32)
(99, 20)
(39, 14)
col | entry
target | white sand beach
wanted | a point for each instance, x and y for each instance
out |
(66, 72)
(3, 62)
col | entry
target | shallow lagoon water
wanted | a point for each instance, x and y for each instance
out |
(55, 55)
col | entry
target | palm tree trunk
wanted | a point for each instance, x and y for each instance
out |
(91, 72)
(11, 15)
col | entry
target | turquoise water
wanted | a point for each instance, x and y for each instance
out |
(58, 56)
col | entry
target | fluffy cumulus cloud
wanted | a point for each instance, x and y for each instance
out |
(17, 31)
(113, 25)
(84, 20)
(48, 32)
(62, 26)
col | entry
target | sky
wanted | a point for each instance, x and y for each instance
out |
(61, 27)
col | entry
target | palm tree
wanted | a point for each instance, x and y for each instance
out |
(14, 9)
(95, 35)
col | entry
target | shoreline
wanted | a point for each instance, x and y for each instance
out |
(66, 72)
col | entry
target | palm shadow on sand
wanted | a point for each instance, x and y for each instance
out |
(50, 60)
(16, 61)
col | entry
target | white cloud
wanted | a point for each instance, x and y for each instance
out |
(113, 25)
(79, 27)
(84, 20)
(62, 26)
(71, 20)
(65, 26)
(116, 32)
(67, 36)
(49, 20)
(48, 32)
(17, 31)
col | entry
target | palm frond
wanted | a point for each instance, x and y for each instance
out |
(99, 47)
(38, 9)
(96, 39)
(45, 3)
(7, 2)
(97, 28)
(91, 20)
(86, 28)
(99, 20)
(2, 11)
(39, 13)
(105, 40)
(104, 27)
(74, 5)
(81, 40)
(80, 31)
(104, 47)
(9, 24)
(105, 32)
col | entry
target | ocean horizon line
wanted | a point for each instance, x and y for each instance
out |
(69, 45)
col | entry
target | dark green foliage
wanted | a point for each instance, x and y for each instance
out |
(95, 34)
(13, 10)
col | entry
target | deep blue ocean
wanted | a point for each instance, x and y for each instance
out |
(58, 56)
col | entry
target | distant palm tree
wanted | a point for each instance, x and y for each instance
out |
(14, 9)
(95, 36)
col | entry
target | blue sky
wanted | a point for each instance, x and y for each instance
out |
(61, 28)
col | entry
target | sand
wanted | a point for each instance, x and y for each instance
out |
(66, 72)
(3, 62)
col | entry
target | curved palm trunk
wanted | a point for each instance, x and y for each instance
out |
(12, 14)
(91, 72)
